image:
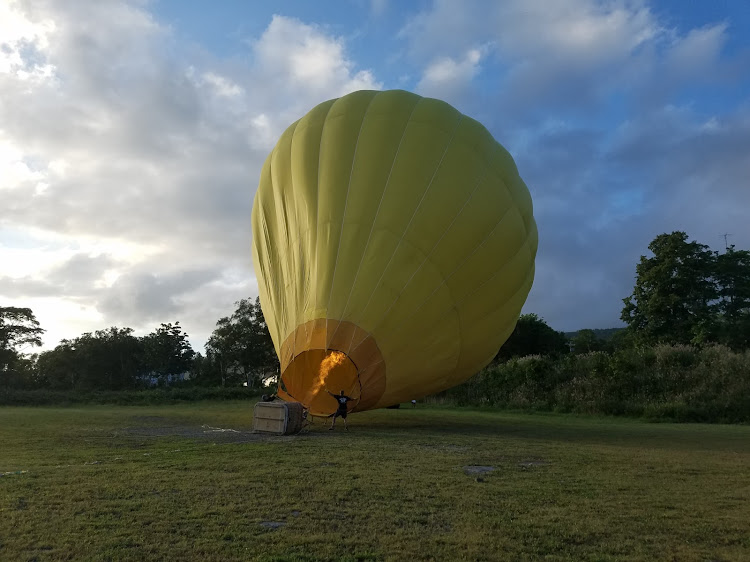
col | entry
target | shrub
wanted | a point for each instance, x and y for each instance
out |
(11, 397)
(666, 382)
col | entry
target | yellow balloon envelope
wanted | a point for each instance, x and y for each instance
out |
(394, 246)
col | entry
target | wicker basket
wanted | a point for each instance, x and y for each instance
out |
(279, 418)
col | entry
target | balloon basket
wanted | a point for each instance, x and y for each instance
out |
(278, 418)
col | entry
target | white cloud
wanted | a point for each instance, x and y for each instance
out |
(14, 171)
(585, 31)
(19, 34)
(296, 66)
(580, 31)
(134, 162)
(697, 52)
(304, 57)
(568, 55)
(444, 76)
(223, 86)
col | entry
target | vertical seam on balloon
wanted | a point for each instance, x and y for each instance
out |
(343, 216)
(303, 264)
(290, 247)
(315, 225)
(266, 239)
(416, 209)
(427, 257)
(256, 255)
(377, 211)
(474, 251)
(317, 199)
(279, 205)
(256, 228)
(266, 276)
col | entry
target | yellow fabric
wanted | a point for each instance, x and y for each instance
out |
(403, 218)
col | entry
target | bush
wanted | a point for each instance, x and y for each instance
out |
(670, 383)
(14, 397)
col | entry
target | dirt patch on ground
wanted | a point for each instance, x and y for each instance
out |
(473, 470)
(155, 427)
(525, 464)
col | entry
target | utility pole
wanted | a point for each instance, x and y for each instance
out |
(725, 236)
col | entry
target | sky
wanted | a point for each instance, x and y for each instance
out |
(132, 135)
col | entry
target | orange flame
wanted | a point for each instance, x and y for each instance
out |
(333, 360)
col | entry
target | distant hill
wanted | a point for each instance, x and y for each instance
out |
(600, 333)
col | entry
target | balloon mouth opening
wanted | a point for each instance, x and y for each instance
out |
(363, 373)
(315, 374)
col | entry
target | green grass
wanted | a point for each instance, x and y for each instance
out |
(392, 488)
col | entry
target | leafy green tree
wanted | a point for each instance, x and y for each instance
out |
(167, 352)
(585, 341)
(19, 329)
(60, 368)
(622, 339)
(241, 346)
(206, 371)
(733, 279)
(673, 294)
(114, 357)
(110, 359)
(532, 336)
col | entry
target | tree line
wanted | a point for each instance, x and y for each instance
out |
(684, 294)
(239, 351)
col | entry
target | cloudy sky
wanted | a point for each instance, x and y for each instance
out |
(132, 135)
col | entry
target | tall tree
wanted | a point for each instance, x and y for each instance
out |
(242, 345)
(206, 370)
(532, 336)
(19, 330)
(61, 368)
(733, 279)
(115, 357)
(167, 352)
(674, 291)
(585, 341)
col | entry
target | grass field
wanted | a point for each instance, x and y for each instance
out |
(163, 483)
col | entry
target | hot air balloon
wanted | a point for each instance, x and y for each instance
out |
(394, 246)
